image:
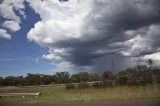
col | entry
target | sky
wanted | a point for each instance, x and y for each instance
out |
(48, 36)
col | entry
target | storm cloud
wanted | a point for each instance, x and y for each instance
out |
(82, 32)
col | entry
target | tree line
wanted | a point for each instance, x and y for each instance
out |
(41, 79)
(131, 76)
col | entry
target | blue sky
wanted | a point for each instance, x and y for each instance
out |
(46, 36)
(18, 56)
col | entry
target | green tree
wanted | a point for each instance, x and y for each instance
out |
(142, 67)
(62, 77)
(9, 81)
(107, 75)
(33, 79)
(123, 76)
(74, 78)
(83, 76)
(94, 77)
(1, 80)
(54, 78)
(19, 81)
(47, 79)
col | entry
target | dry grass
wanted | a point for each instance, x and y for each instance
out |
(57, 94)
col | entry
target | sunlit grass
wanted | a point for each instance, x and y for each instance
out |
(56, 94)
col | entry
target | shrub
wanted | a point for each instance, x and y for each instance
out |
(83, 85)
(122, 80)
(70, 86)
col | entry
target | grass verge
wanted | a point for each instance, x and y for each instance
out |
(55, 94)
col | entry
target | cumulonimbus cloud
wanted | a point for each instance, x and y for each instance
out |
(88, 29)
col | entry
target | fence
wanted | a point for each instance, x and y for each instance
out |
(20, 94)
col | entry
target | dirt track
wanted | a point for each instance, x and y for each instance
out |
(118, 103)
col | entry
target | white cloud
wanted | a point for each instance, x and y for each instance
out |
(56, 54)
(11, 25)
(8, 9)
(59, 21)
(154, 56)
(4, 34)
(63, 66)
(137, 45)
(51, 57)
(146, 41)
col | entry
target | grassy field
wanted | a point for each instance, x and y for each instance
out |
(55, 94)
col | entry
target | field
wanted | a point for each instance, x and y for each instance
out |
(57, 94)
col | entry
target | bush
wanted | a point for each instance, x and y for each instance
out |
(70, 86)
(98, 85)
(83, 85)
(122, 80)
